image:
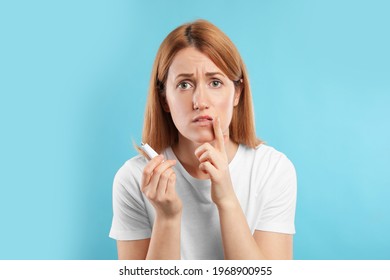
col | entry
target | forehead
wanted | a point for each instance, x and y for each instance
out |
(190, 60)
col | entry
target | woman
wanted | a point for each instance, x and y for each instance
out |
(215, 191)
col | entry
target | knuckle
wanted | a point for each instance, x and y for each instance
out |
(146, 172)
(160, 199)
(164, 176)
(169, 199)
(172, 178)
(150, 195)
(158, 171)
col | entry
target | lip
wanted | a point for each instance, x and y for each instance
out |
(202, 118)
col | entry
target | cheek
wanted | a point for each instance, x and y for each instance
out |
(225, 110)
(178, 107)
(225, 105)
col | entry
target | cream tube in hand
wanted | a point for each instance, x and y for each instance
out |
(148, 150)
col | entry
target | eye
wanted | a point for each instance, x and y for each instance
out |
(216, 83)
(184, 85)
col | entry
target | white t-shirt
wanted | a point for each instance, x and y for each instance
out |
(264, 181)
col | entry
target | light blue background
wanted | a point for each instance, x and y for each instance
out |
(73, 83)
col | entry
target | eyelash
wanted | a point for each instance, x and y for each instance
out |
(179, 85)
(218, 81)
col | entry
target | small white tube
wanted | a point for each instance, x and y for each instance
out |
(148, 150)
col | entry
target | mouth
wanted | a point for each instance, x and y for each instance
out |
(204, 118)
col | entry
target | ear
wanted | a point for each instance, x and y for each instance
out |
(237, 96)
(164, 104)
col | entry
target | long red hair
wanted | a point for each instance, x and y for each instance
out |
(159, 130)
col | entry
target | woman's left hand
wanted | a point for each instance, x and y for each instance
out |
(214, 162)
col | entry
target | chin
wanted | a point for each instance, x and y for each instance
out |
(201, 138)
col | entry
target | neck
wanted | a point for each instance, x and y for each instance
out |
(185, 153)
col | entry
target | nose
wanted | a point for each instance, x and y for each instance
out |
(199, 99)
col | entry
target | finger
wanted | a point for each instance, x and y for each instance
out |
(208, 168)
(163, 183)
(207, 156)
(171, 185)
(218, 133)
(157, 173)
(148, 170)
(202, 149)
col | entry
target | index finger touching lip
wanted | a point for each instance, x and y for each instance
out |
(219, 136)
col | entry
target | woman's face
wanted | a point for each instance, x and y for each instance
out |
(197, 92)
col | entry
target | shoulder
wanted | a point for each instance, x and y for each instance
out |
(273, 156)
(129, 175)
(265, 153)
(131, 166)
(267, 160)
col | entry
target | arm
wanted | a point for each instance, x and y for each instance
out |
(164, 243)
(153, 248)
(239, 243)
(165, 240)
(237, 239)
(158, 185)
(132, 249)
(273, 245)
(276, 246)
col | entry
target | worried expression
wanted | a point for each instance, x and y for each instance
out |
(197, 92)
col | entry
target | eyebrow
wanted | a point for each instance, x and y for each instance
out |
(184, 75)
(190, 75)
(208, 74)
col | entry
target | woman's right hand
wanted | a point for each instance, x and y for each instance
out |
(158, 185)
